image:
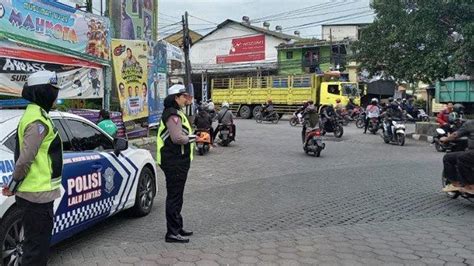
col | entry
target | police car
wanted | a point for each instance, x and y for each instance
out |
(101, 177)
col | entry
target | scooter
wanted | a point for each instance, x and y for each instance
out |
(452, 146)
(398, 133)
(226, 135)
(203, 141)
(374, 125)
(313, 142)
(332, 125)
(418, 115)
(271, 117)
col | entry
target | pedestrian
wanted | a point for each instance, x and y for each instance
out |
(36, 179)
(175, 146)
(106, 124)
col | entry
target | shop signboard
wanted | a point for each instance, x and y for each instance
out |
(77, 79)
(56, 27)
(244, 49)
(130, 66)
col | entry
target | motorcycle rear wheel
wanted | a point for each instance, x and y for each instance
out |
(338, 131)
(360, 123)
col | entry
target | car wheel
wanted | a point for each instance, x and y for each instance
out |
(146, 190)
(12, 236)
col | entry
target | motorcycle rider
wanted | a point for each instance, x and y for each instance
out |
(310, 116)
(327, 114)
(373, 111)
(204, 121)
(338, 107)
(443, 117)
(458, 165)
(393, 113)
(225, 118)
(267, 108)
(299, 112)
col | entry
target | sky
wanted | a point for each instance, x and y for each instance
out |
(305, 16)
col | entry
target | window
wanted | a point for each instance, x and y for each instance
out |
(10, 143)
(334, 89)
(86, 138)
(289, 55)
(64, 138)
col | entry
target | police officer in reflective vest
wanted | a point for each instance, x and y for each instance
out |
(38, 165)
(175, 147)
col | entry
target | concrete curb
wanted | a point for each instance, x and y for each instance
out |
(420, 137)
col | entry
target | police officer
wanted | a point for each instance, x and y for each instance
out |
(175, 146)
(38, 166)
(458, 165)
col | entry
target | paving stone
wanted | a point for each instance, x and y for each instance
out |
(189, 258)
(167, 261)
(288, 262)
(207, 256)
(251, 253)
(268, 257)
(129, 259)
(206, 263)
(247, 259)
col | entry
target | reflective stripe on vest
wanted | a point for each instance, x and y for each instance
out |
(39, 177)
(163, 135)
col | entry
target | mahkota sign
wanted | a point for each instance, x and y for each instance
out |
(244, 49)
(56, 27)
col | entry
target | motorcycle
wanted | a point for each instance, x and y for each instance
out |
(418, 115)
(374, 125)
(360, 120)
(295, 120)
(332, 125)
(452, 146)
(344, 117)
(271, 117)
(203, 141)
(313, 142)
(398, 133)
(226, 135)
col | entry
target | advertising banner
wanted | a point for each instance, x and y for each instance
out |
(244, 49)
(135, 19)
(78, 79)
(56, 27)
(157, 82)
(130, 66)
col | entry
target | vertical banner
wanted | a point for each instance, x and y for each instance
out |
(156, 82)
(131, 72)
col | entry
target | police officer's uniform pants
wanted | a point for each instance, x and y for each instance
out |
(458, 166)
(37, 222)
(176, 176)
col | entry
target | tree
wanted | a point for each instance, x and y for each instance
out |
(418, 40)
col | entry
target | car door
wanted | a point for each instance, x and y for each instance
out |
(92, 178)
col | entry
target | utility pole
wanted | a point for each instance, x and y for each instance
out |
(330, 47)
(187, 63)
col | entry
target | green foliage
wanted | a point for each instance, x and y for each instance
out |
(420, 104)
(418, 40)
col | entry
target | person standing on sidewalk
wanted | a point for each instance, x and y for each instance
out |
(38, 166)
(175, 147)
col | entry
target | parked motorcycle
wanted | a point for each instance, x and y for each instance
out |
(360, 120)
(295, 120)
(332, 125)
(374, 125)
(452, 146)
(313, 142)
(203, 141)
(418, 115)
(271, 117)
(226, 135)
(398, 133)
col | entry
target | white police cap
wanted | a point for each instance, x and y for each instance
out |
(176, 88)
(43, 77)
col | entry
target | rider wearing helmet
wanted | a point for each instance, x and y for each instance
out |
(373, 111)
(224, 118)
(338, 106)
(267, 108)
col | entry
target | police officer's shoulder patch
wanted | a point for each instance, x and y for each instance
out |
(41, 128)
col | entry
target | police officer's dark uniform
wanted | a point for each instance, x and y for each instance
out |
(175, 146)
(38, 165)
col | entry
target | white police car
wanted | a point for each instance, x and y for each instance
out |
(101, 176)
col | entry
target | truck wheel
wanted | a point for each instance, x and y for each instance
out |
(245, 112)
(257, 109)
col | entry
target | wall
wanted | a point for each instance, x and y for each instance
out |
(340, 32)
(290, 66)
(203, 53)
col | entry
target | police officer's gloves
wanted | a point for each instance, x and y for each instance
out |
(192, 138)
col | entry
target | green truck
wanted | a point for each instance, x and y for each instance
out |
(456, 91)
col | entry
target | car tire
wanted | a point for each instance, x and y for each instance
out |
(145, 195)
(11, 224)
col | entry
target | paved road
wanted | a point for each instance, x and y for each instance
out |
(263, 200)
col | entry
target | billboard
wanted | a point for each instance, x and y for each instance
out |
(157, 82)
(130, 66)
(135, 19)
(244, 49)
(56, 27)
(78, 79)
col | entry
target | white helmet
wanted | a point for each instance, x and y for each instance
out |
(225, 104)
(374, 100)
(43, 77)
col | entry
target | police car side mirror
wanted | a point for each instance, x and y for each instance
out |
(120, 145)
